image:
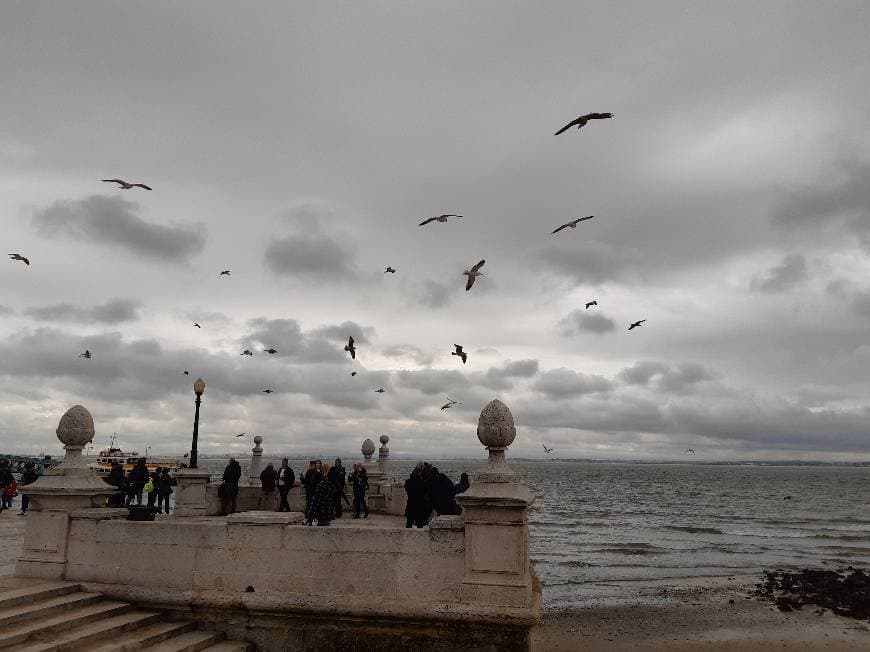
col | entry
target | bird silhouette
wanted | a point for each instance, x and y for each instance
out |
(547, 450)
(439, 218)
(380, 390)
(267, 391)
(353, 373)
(636, 324)
(24, 260)
(462, 354)
(126, 185)
(270, 351)
(450, 403)
(573, 223)
(86, 355)
(591, 303)
(583, 119)
(390, 270)
(690, 450)
(247, 352)
(350, 348)
(472, 274)
(186, 373)
(226, 272)
(241, 434)
(197, 324)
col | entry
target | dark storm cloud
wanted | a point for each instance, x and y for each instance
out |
(115, 221)
(583, 321)
(791, 271)
(114, 311)
(846, 199)
(677, 378)
(590, 261)
(311, 253)
(566, 383)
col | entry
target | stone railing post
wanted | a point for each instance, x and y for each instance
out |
(497, 565)
(70, 487)
(383, 454)
(256, 462)
(191, 492)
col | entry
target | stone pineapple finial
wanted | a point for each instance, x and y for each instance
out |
(496, 431)
(75, 429)
(368, 449)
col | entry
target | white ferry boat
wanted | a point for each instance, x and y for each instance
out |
(128, 459)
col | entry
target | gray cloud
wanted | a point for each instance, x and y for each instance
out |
(115, 221)
(312, 254)
(566, 383)
(322, 344)
(433, 294)
(6, 310)
(114, 311)
(415, 353)
(677, 378)
(847, 199)
(791, 271)
(590, 261)
(583, 321)
(432, 381)
(340, 332)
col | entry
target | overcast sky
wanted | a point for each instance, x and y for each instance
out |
(300, 144)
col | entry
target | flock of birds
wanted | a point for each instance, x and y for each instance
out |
(472, 273)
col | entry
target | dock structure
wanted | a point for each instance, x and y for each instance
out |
(40, 462)
(264, 578)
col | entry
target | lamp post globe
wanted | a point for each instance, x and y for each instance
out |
(198, 389)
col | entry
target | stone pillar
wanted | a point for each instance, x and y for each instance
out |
(375, 500)
(68, 488)
(190, 492)
(383, 454)
(497, 565)
(256, 462)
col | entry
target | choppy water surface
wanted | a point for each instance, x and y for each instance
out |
(614, 529)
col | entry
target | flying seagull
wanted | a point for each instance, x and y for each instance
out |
(380, 390)
(439, 218)
(350, 348)
(390, 270)
(86, 355)
(573, 223)
(462, 354)
(268, 391)
(241, 434)
(450, 403)
(472, 274)
(591, 303)
(636, 324)
(197, 324)
(547, 450)
(353, 373)
(186, 373)
(126, 185)
(247, 352)
(226, 272)
(24, 260)
(270, 351)
(583, 119)
(690, 450)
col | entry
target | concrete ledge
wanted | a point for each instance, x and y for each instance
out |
(100, 513)
(267, 518)
(455, 522)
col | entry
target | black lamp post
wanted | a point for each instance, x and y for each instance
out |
(198, 389)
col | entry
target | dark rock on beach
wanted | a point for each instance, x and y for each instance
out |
(846, 592)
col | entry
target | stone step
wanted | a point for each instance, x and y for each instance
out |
(139, 638)
(37, 591)
(189, 642)
(231, 646)
(44, 607)
(54, 625)
(86, 635)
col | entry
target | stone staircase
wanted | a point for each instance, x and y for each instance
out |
(43, 616)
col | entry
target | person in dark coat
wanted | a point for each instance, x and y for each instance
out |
(462, 486)
(164, 483)
(286, 480)
(268, 478)
(439, 489)
(337, 476)
(417, 509)
(232, 475)
(136, 481)
(6, 480)
(152, 495)
(29, 476)
(321, 506)
(310, 480)
(359, 480)
(118, 479)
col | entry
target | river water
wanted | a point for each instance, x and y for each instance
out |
(609, 532)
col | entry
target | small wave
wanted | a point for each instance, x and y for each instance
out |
(631, 549)
(694, 530)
